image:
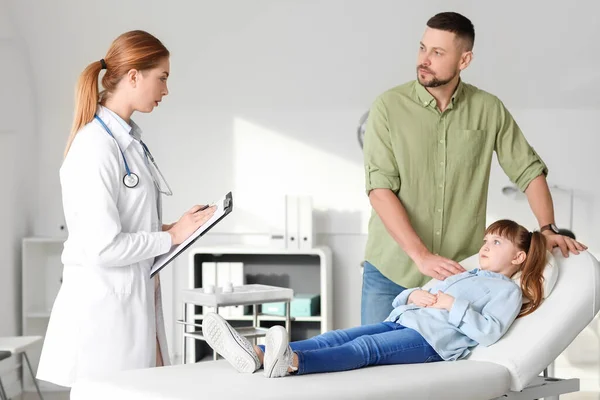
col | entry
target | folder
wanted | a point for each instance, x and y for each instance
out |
(305, 222)
(291, 221)
(223, 279)
(209, 277)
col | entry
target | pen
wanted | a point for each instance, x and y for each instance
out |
(204, 208)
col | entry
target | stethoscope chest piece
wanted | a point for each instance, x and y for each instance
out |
(131, 180)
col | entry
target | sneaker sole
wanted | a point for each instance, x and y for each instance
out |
(218, 335)
(274, 341)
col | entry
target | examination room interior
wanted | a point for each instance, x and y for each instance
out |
(266, 100)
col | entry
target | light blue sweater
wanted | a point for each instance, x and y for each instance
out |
(486, 304)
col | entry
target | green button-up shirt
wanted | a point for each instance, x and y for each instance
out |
(438, 164)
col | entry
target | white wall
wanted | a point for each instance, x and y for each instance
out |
(18, 163)
(250, 86)
(266, 95)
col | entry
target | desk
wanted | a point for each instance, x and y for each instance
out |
(240, 296)
(19, 345)
(3, 355)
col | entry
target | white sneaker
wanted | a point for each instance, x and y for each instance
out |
(278, 353)
(226, 341)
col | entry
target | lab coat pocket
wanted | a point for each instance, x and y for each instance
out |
(116, 280)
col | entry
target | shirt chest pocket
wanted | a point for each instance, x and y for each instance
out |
(476, 295)
(466, 146)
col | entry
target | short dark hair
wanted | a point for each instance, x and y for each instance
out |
(456, 23)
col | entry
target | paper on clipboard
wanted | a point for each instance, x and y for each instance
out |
(224, 207)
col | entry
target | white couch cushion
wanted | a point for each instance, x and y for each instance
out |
(534, 341)
(461, 380)
(530, 345)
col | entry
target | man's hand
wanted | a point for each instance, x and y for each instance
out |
(438, 267)
(444, 301)
(565, 243)
(421, 298)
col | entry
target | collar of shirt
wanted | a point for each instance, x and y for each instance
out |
(491, 274)
(426, 99)
(123, 132)
(476, 271)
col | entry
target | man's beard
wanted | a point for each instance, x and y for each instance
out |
(434, 82)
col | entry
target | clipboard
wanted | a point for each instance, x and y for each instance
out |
(224, 208)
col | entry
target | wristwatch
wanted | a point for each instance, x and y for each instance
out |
(552, 227)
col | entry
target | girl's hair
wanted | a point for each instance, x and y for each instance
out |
(532, 270)
(132, 50)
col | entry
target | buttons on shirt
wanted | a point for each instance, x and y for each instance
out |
(442, 163)
(441, 185)
(442, 141)
(438, 233)
(439, 210)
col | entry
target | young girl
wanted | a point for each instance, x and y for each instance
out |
(444, 323)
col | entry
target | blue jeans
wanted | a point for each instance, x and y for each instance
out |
(377, 344)
(378, 292)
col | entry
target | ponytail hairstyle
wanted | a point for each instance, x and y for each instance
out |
(132, 50)
(532, 270)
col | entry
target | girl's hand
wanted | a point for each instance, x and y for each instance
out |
(444, 301)
(421, 298)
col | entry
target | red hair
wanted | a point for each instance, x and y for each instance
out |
(532, 270)
(132, 50)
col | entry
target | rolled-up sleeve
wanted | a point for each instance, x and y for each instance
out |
(381, 168)
(517, 158)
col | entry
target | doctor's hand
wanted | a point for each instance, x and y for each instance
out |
(421, 298)
(193, 219)
(438, 267)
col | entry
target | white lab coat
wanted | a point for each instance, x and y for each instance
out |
(107, 315)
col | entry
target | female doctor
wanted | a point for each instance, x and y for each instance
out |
(108, 314)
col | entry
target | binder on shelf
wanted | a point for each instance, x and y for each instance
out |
(222, 280)
(278, 238)
(305, 222)
(291, 221)
(236, 276)
(230, 272)
(209, 277)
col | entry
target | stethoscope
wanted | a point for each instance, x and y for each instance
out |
(131, 179)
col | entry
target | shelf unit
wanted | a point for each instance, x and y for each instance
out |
(303, 270)
(265, 317)
(41, 280)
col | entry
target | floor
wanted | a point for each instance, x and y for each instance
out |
(581, 396)
(47, 396)
(65, 396)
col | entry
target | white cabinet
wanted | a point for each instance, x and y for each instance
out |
(41, 280)
(306, 271)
